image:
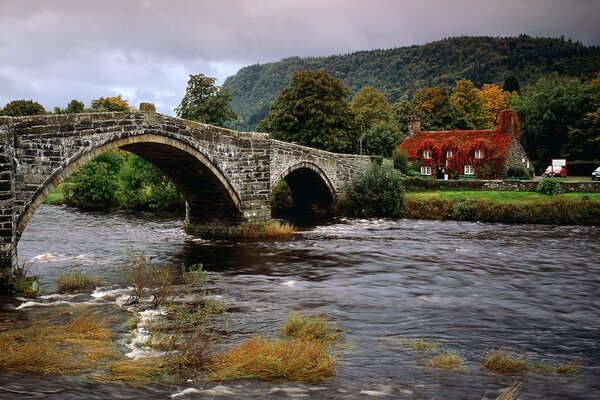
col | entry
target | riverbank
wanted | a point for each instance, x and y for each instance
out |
(504, 207)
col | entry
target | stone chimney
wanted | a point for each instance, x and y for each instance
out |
(508, 122)
(414, 125)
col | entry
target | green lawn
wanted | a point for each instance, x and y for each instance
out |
(497, 197)
(57, 196)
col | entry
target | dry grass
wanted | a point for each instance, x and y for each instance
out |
(310, 328)
(503, 361)
(449, 361)
(274, 229)
(78, 281)
(510, 393)
(57, 349)
(416, 344)
(272, 359)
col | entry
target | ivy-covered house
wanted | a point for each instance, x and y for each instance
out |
(482, 154)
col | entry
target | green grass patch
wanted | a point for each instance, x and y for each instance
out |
(57, 196)
(78, 281)
(499, 197)
(310, 328)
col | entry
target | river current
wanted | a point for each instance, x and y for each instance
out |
(471, 287)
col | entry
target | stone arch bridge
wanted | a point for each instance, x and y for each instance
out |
(225, 176)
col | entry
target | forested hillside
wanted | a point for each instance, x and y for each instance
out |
(398, 72)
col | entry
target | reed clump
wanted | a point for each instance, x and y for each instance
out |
(77, 280)
(272, 359)
(274, 229)
(310, 328)
(510, 393)
(449, 361)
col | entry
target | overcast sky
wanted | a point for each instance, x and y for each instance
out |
(53, 51)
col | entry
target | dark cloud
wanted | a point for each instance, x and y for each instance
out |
(56, 50)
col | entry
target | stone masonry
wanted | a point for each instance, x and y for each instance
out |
(225, 176)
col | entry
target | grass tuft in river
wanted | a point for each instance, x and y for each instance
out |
(449, 361)
(510, 393)
(310, 328)
(273, 229)
(69, 348)
(272, 359)
(503, 361)
(77, 280)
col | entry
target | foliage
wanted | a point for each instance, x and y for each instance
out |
(494, 100)
(548, 110)
(372, 110)
(142, 186)
(74, 107)
(312, 111)
(519, 172)
(401, 71)
(383, 139)
(94, 187)
(19, 108)
(115, 103)
(205, 102)
(377, 193)
(511, 84)
(400, 158)
(549, 186)
(23, 284)
(468, 105)
(281, 198)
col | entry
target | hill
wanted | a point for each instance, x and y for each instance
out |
(400, 71)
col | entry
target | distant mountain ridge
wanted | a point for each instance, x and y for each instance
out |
(400, 71)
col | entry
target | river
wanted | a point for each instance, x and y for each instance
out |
(471, 287)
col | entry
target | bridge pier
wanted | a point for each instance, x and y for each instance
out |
(8, 235)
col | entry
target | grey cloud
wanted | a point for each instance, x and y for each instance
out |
(56, 50)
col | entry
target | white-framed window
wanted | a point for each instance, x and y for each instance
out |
(427, 154)
(469, 170)
(425, 170)
(478, 153)
(449, 154)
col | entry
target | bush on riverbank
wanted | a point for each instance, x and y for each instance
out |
(378, 192)
(561, 212)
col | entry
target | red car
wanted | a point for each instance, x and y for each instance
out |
(556, 173)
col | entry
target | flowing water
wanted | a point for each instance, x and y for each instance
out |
(471, 287)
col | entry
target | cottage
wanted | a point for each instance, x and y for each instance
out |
(482, 154)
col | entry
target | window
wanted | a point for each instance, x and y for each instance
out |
(427, 154)
(425, 170)
(449, 154)
(469, 170)
(478, 153)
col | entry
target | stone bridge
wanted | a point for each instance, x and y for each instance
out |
(225, 176)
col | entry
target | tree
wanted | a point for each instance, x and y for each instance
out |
(494, 100)
(19, 108)
(432, 105)
(511, 84)
(312, 111)
(468, 105)
(384, 139)
(205, 102)
(378, 192)
(371, 109)
(547, 110)
(74, 107)
(115, 103)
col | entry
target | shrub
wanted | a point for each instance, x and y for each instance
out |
(281, 198)
(519, 172)
(400, 158)
(377, 193)
(549, 186)
(94, 187)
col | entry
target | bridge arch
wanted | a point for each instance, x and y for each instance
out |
(208, 192)
(312, 190)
